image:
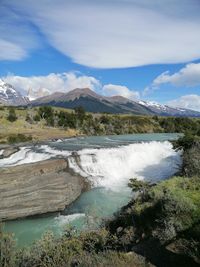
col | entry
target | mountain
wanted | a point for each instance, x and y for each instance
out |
(10, 96)
(94, 102)
(165, 110)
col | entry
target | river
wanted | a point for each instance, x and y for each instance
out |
(108, 162)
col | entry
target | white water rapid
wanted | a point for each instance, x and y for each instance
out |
(109, 167)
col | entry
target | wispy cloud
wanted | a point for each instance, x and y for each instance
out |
(17, 37)
(116, 34)
(187, 101)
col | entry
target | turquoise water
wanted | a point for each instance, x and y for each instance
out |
(108, 162)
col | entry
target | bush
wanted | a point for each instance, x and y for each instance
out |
(45, 112)
(7, 249)
(164, 211)
(18, 138)
(186, 142)
(36, 117)
(28, 118)
(12, 115)
(191, 160)
(88, 249)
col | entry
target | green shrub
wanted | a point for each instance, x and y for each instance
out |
(18, 138)
(12, 115)
(7, 249)
(36, 117)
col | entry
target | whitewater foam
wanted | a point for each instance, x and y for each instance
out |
(67, 219)
(113, 167)
(23, 156)
(30, 155)
(109, 167)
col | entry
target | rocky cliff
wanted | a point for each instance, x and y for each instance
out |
(37, 188)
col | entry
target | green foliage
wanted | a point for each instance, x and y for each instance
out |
(45, 112)
(66, 119)
(187, 141)
(18, 138)
(28, 118)
(166, 210)
(191, 160)
(191, 154)
(87, 249)
(12, 115)
(138, 186)
(80, 112)
(7, 249)
(108, 124)
(36, 117)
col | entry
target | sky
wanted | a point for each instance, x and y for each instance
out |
(140, 49)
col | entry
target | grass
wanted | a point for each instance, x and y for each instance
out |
(38, 130)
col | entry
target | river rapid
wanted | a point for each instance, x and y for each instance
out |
(108, 162)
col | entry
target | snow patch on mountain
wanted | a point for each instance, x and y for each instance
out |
(10, 96)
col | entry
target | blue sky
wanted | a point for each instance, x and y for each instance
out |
(140, 49)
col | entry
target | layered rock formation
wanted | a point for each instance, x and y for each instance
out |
(38, 188)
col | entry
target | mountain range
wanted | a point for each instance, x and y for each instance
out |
(92, 102)
(10, 96)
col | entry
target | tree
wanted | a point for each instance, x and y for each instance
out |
(45, 112)
(138, 186)
(12, 115)
(80, 112)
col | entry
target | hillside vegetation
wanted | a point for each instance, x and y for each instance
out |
(25, 124)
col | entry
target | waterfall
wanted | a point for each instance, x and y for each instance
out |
(113, 167)
(109, 167)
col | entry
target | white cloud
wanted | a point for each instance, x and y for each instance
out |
(188, 76)
(187, 101)
(17, 38)
(61, 82)
(38, 86)
(120, 33)
(112, 89)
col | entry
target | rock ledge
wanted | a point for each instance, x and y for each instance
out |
(37, 188)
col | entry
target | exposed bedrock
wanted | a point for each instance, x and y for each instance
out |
(8, 151)
(37, 188)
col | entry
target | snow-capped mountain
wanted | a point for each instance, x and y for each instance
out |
(166, 110)
(10, 96)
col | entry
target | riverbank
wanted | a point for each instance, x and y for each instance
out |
(45, 123)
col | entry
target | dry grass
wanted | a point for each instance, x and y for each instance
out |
(38, 130)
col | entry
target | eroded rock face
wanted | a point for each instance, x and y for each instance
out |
(8, 151)
(38, 188)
